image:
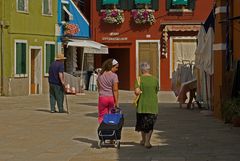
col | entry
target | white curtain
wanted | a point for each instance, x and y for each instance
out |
(184, 50)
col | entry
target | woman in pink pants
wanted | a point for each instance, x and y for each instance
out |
(108, 88)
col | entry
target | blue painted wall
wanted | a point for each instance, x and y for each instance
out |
(78, 19)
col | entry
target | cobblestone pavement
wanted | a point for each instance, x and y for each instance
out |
(29, 132)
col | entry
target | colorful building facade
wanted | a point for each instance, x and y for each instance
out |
(28, 41)
(161, 32)
(74, 40)
(226, 51)
(73, 26)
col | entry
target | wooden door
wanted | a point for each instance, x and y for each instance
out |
(33, 85)
(148, 52)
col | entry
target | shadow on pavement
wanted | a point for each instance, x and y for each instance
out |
(94, 114)
(93, 143)
(175, 128)
(43, 110)
(88, 104)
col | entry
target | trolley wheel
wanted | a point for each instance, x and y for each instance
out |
(117, 144)
(100, 143)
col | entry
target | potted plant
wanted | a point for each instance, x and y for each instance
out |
(143, 16)
(70, 29)
(236, 119)
(231, 111)
(112, 16)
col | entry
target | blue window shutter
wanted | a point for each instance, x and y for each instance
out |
(155, 4)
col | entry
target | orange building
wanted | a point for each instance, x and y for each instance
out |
(162, 32)
(226, 50)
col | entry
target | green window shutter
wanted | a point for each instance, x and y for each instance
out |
(124, 4)
(50, 55)
(142, 1)
(168, 4)
(24, 63)
(45, 7)
(155, 4)
(21, 4)
(20, 58)
(191, 4)
(130, 4)
(179, 2)
(99, 5)
(109, 2)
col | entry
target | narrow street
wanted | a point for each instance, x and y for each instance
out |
(29, 132)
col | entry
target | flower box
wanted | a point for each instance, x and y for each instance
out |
(143, 16)
(70, 29)
(112, 16)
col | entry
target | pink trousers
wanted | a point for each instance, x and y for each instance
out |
(105, 104)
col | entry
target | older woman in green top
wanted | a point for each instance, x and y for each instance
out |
(147, 108)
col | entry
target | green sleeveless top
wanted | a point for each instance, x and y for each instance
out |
(148, 101)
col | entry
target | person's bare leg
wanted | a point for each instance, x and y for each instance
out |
(147, 140)
(142, 142)
(192, 93)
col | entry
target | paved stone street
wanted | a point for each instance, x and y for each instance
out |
(29, 132)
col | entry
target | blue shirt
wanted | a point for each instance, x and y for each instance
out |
(55, 68)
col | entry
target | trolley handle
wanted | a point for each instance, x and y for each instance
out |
(100, 133)
(116, 110)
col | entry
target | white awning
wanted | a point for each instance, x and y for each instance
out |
(89, 46)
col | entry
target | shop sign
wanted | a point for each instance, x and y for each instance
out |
(115, 38)
(183, 27)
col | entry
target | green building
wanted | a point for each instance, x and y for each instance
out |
(28, 45)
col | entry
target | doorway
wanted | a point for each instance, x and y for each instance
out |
(35, 70)
(122, 55)
(148, 51)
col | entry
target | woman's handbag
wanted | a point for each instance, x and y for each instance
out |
(136, 99)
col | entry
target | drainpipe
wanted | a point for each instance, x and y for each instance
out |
(2, 51)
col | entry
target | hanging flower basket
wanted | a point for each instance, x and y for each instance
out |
(143, 16)
(70, 29)
(112, 16)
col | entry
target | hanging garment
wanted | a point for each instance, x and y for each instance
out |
(93, 82)
(207, 52)
(201, 41)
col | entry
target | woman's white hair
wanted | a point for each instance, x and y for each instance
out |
(145, 66)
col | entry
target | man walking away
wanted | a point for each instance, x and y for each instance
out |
(56, 83)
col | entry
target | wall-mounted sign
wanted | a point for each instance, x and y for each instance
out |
(113, 33)
(182, 27)
(115, 38)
